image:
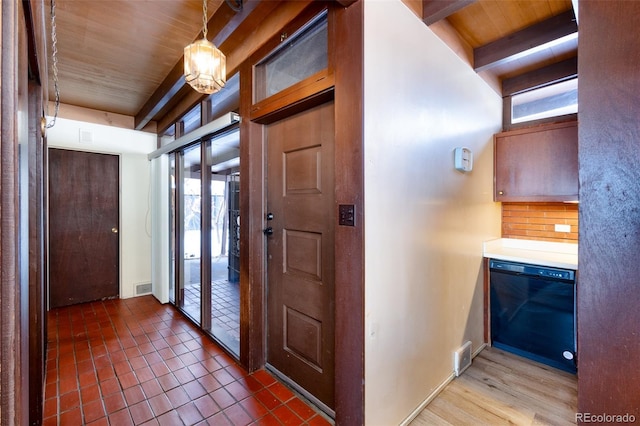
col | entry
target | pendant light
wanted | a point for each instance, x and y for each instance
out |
(205, 66)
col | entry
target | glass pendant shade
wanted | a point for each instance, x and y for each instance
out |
(205, 66)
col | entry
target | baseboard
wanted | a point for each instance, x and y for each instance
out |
(426, 402)
(436, 391)
(477, 351)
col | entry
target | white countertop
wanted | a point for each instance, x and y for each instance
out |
(558, 255)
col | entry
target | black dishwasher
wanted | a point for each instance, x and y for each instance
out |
(533, 312)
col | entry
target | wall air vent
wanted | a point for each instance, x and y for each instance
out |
(462, 358)
(85, 136)
(144, 288)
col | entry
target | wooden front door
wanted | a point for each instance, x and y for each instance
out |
(300, 250)
(83, 218)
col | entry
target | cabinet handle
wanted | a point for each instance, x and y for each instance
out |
(500, 192)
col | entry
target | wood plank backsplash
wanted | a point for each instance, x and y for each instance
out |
(536, 221)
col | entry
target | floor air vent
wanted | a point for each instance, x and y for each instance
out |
(462, 358)
(143, 289)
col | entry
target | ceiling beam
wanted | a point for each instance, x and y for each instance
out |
(436, 10)
(516, 45)
(223, 23)
(550, 74)
(245, 42)
(346, 3)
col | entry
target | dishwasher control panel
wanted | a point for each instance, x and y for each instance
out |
(552, 273)
(532, 270)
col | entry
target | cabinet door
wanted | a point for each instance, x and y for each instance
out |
(537, 164)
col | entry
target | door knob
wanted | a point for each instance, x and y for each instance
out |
(268, 231)
(114, 230)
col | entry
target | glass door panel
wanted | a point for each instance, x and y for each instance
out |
(190, 208)
(207, 224)
(225, 274)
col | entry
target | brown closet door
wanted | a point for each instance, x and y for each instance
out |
(83, 218)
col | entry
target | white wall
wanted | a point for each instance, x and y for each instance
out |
(425, 221)
(160, 241)
(135, 219)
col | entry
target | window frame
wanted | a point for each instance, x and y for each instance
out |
(536, 79)
(313, 90)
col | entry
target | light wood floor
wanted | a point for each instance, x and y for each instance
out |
(501, 388)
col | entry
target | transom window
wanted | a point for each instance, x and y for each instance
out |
(549, 101)
(301, 55)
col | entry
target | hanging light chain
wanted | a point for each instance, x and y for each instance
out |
(204, 19)
(204, 64)
(54, 58)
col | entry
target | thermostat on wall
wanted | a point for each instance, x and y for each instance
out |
(463, 159)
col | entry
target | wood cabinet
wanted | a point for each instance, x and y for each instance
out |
(537, 163)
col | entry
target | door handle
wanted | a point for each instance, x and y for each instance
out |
(268, 231)
(114, 230)
(269, 216)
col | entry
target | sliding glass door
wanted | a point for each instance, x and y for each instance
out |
(207, 239)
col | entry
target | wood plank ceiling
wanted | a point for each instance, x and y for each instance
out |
(486, 22)
(125, 56)
(114, 54)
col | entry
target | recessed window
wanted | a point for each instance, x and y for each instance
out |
(301, 55)
(549, 101)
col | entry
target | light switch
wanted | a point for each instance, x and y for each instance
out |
(347, 215)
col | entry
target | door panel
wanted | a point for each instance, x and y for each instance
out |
(83, 217)
(300, 263)
(189, 297)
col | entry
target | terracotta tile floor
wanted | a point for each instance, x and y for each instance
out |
(225, 300)
(135, 361)
(225, 306)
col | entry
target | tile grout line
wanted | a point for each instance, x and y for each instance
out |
(177, 326)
